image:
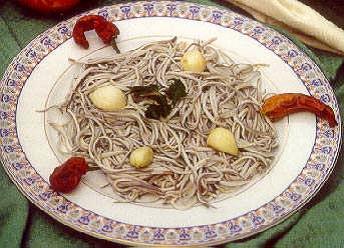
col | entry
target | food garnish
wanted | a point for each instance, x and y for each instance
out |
(159, 109)
(176, 91)
(162, 104)
(223, 140)
(281, 105)
(141, 157)
(140, 93)
(67, 176)
(194, 61)
(106, 30)
(108, 98)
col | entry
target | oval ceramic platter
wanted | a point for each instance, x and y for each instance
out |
(41, 75)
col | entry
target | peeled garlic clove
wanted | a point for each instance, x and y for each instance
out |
(108, 98)
(141, 157)
(221, 139)
(193, 61)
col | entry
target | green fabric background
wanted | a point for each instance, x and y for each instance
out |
(319, 224)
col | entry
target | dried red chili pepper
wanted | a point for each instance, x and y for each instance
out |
(281, 105)
(106, 30)
(67, 176)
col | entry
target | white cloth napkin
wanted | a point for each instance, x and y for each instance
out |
(298, 19)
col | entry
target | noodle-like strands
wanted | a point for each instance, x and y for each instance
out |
(184, 171)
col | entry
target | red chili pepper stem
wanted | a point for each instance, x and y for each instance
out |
(114, 45)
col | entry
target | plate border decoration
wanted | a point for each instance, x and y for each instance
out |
(315, 172)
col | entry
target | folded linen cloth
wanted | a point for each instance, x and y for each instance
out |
(298, 19)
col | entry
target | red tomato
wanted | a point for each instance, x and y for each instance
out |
(49, 6)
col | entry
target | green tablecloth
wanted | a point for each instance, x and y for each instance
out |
(319, 224)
